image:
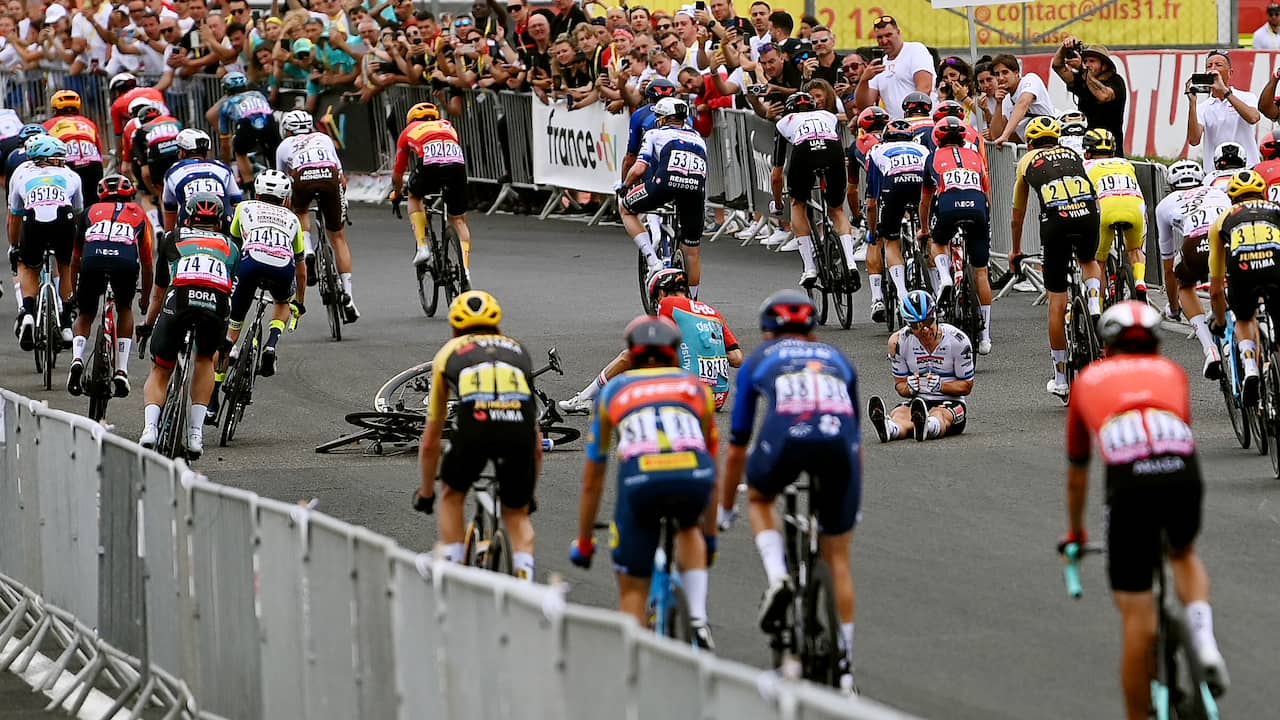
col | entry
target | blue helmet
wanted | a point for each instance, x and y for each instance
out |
(31, 131)
(917, 306)
(234, 82)
(788, 311)
(44, 147)
(658, 89)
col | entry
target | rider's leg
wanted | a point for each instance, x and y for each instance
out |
(451, 522)
(1137, 666)
(1058, 336)
(418, 220)
(898, 423)
(633, 594)
(897, 266)
(1092, 270)
(1193, 310)
(835, 548)
(1247, 341)
(691, 557)
(154, 392)
(939, 423)
(124, 336)
(800, 226)
(201, 391)
(639, 234)
(460, 226)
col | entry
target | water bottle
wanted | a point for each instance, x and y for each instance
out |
(547, 444)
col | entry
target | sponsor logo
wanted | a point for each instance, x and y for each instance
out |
(668, 461)
(576, 148)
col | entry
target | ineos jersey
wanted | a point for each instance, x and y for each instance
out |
(676, 157)
(1188, 214)
(952, 359)
(312, 156)
(268, 234)
(118, 230)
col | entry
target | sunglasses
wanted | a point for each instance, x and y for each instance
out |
(514, 8)
(925, 325)
(884, 21)
(240, 11)
(464, 22)
(666, 26)
(1273, 12)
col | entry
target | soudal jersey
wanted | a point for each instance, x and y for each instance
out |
(1113, 178)
(952, 359)
(956, 169)
(197, 257)
(676, 157)
(1188, 214)
(118, 230)
(431, 142)
(1270, 171)
(157, 140)
(642, 121)
(84, 144)
(801, 384)
(269, 234)
(120, 107)
(706, 342)
(198, 175)
(312, 156)
(44, 191)
(894, 163)
(249, 105)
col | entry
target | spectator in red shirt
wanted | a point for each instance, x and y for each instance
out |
(706, 97)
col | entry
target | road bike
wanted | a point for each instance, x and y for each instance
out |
(667, 605)
(664, 228)
(48, 333)
(1268, 410)
(242, 374)
(914, 252)
(964, 310)
(1119, 283)
(835, 282)
(486, 543)
(1245, 422)
(327, 277)
(100, 365)
(174, 416)
(445, 271)
(1083, 346)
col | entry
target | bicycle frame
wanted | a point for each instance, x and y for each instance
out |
(664, 585)
(98, 377)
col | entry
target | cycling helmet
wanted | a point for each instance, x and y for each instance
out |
(194, 141)
(1131, 326)
(148, 113)
(272, 183)
(659, 88)
(653, 338)
(205, 208)
(296, 122)
(116, 187)
(950, 130)
(671, 107)
(666, 280)
(896, 130)
(1073, 123)
(423, 111)
(31, 130)
(46, 147)
(1270, 146)
(917, 104)
(800, 102)
(1228, 156)
(1100, 141)
(65, 100)
(1185, 174)
(948, 108)
(474, 309)
(788, 311)
(873, 119)
(1043, 130)
(138, 105)
(122, 83)
(1246, 183)
(234, 82)
(918, 306)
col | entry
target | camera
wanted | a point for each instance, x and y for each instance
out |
(1201, 83)
(758, 90)
(1077, 49)
(804, 51)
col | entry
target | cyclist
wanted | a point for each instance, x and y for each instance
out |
(127, 166)
(490, 374)
(671, 167)
(708, 349)
(311, 161)
(917, 108)
(124, 91)
(870, 123)
(1228, 159)
(1183, 220)
(117, 245)
(246, 124)
(1248, 234)
(811, 425)
(432, 147)
(195, 264)
(19, 155)
(1074, 126)
(956, 191)
(1269, 149)
(972, 138)
(667, 443)
(1135, 405)
(1068, 224)
(932, 368)
(1120, 203)
(45, 203)
(155, 146)
(643, 120)
(812, 137)
(195, 173)
(84, 142)
(895, 176)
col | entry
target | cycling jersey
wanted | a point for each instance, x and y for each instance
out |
(676, 159)
(197, 258)
(895, 177)
(972, 140)
(156, 144)
(961, 183)
(706, 342)
(1120, 202)
(1249, 235)
(44, 193)
(1270, 171)
(857, 153)
(429, 142)
(642, 121)
(251, 106)
(269, 234)
(921, 129)
(1183, 220)
(813, 138)
(198, 175)
(1219, 179)
(196, 266)
(1060, 180)
(958, 171)
(11, 163)
(117, 243)
(952, 359)
(84, 144)
(120, 107)
(313, 163)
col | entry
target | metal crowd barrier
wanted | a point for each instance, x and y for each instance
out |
(269, 610)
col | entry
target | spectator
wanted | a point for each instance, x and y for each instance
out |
(1090, 75)
(906, 67)
(846, 88)
(237, 41)
(1226, 115)
(780, 28)
(661, 66)
(150, 44)
(13, 56)
(640, 21)
(568, 16)
(1267, 37)
(760, 13)
(92, 50)
(536, 58)
(490, 17)
(807, 24)
(706, 97)
(616, 19)
(781, 77)
(662, 24)
(619, 49)
(1026, 98)
(991, 96)
(685, 28)
(955, 78)
(675, 48)
(239, 13)
(55, 39)
(589, 45)
(262, 66)
(824, 47)
(518, 22)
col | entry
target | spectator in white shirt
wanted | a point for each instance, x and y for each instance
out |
(760, 12)
(1267, 37)
(906, 67)
(1026, 98)
(1226, 115)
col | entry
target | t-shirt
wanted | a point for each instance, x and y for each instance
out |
(831, 73)
(1265, 38)
(1222, 123)
(1041, 105)
(1110, 114)
(898, 80)
(95, 47)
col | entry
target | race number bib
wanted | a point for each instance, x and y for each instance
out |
(962, 179)
(1139, 434)
(1065, 190)
(202, 268)
(47, 194)
(905, 162)
(651, 430)
(687, 163)
(270, 241)
(808, 392)
(1273, 192)
(492, 381)
(441, 150)
(1118, 184)
(203, 185)
(108, 231)
(1255, 234)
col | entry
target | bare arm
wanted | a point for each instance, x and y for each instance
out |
(1267, 100)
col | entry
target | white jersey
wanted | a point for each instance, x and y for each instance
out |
(952, 359)
(313, 151)
(814, 125)
(1188, 214)
(1219, 179)
(269, 234)
(44, 191)
(1075, 142)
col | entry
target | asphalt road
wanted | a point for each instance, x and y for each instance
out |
(961, 609)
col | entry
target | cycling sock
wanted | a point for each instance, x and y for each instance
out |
(1059, 366)
(877, 292)
(453, 552)
(769, 543)
(590, 391)
(346, 283)
(943, 265)
(1094, 286)
(29, 305)
(933, 427)
(1140, 274)
(695, 591)
(986, 321)
(197, 418)
(935, 278)
(846, 244)
(273, 335)
(419, 222)
(124, 346)
(1201, 325)
(17, 291)
(151, 415)
(899, 275)
(1200, 619)
(846, 631)
(645, 245)
(218, 377)
(1249, 356)
(78, 344)
(522, 563)
(806, 252)
(307, 247)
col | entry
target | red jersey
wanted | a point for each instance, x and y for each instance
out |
(84, 144)
(433, 142)
(126, 140)
(712, 98)
(1270, 170)
(863, 145)
(956, 169)
(120, 108)
(1136, 406)
(118, 230)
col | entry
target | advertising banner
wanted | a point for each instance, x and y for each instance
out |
(578, 149)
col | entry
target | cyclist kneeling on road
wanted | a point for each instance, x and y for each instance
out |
(1120, 202)
(811, 425)
(932, 368)
(1136, 406)
(666, 445)
(491, 376)
(672, 167)
(195, 264)
(439, 166)
(708, 348)
(117, 245)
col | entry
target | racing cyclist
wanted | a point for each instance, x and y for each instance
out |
(155, 146)
(311, 161)
(246, 124)
(1068, 224)
(432, 147)
(45, 203)
(1269, 168)
(643, 120)
(83, 140)
(195, 173)
(19, 154)
(124, 90)
(972, 138)
(895, 177)
(116, 247)
(917, 109)
(1228, 159)
(1136, 406)
(667, 443)
(870, 123)
(195, 264)
(127, 166)
(491, 376)
(1120, 203)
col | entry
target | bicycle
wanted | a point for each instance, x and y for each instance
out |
(486, 543)
(834, 279)
(964, 310)
(1180, 688)
(914, 253)
(1245, 422)
(1268, 410)
(445, 270)
(48, 333)
(328, 279)
(1120, 284)
(664, 229)
(243, 374)
(174, 417)
(1083, 346)
(667, 605)
(100, 369)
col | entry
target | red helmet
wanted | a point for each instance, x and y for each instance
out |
(654, 337)
(149, 113)
(116, 187)
(917, 104)
(1270, 146)
(948, 108)
(873, 119)
(949, 131)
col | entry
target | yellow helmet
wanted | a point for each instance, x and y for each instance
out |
(66, 100)
(1043, 128)
(1100, 141)
(474, 309)
(423, 111)
(1246, 182)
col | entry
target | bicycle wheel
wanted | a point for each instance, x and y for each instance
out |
(428, 288)
(97, 380)
(498, 558)
(643, 266)
(238, 393)
(455, 271)
(392, 426)
(52, 336)
(1270, 407)
(1261, 416)
(678, 622)
(330, 283)
(406, 391)
(892, 319)
(1239, 421)
(818, 294)
(1077, 342)
(471, 544)
(172, 422)
(821, 651)
(841, 294)
(561, 435)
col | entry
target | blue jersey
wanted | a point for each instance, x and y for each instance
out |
(676, 159)
(11, 163)
(642, 121)
(196, 175)
(894, 163)
(250, 105)
(809, 389)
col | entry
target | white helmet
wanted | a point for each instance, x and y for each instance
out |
(671, 107)
(1229, 156)
(1185, 174)
(296, 122)
(272, 183)
(193, 140)
(122, 81)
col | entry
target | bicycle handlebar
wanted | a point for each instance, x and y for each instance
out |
(1074, 553)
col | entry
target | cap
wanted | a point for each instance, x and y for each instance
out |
(302, 45)
(54, 14)
(1101, 52)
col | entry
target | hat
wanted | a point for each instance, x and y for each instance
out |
(274, 21)
(1101, 52)
(54, 14)
(302, 45)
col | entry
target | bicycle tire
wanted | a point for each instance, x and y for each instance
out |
(96, 377)
(841, 296)
(428, 291)
(1239, 420)
(392, 395)
(498, 557)
(892, 320)
(561, 435)
(470, 544)
(171, 421)
(52, 335)
(456, 270)
(1262, 415)
(679, 624)
(1271, 403)
(821, 652)
(644, 282)
(1077, 345)
(397, 426)
(237, 395)
(330, 282)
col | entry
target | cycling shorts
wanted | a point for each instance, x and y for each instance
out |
(1143, 508)
(1059, 239)
(1130, 211)
(959, 412)
(950, 211)
(90, 174)
(637, 518)
(894, 201)
(1192, 267)
(159, 166)
(246, 138)
(833, 466)
(59, 234)
(98, 271)
(802, 172)
(690, 207)
(201, 310)
(514, 462)
(450, 180)
(326, 192)
(1245, 287)
(277, 281)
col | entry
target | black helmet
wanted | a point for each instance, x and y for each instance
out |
(207, 209)
(659, 88)
(917, 104)
(896, 130)
(788, 311)
(800, 102)
(653, 338)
